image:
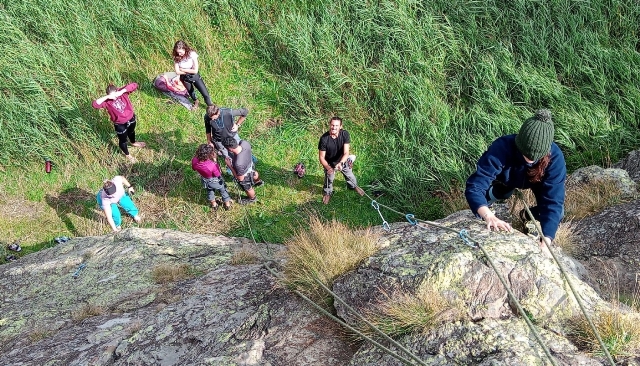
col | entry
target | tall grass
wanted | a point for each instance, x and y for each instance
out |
(423, 87)
(322, 253)
(58, 55)
(435, 82)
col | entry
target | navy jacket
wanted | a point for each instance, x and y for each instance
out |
(505, 163)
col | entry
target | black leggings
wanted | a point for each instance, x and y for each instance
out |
(189, 80)
(124, 131)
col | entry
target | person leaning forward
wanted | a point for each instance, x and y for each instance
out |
(333, 153)
(240, 163)
(528, 160)
(113, 195)
(220, 123)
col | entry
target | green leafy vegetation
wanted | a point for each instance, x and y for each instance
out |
(423, 88)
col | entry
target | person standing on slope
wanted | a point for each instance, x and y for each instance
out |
(113, 195)
(334, 155)
(118, 105)
(221, 123)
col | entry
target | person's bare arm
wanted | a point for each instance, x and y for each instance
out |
(344, 157)
(321, 156)
(111, 96)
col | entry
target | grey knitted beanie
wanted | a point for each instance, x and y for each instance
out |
(536, 135)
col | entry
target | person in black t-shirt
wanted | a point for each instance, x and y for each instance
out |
(220, 124)
(333, 153)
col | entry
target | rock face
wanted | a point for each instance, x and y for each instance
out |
(608, 247)
(631, 164)
(417, 258)
(619, 177)
(226, 315)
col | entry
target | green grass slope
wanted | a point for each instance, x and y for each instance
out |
(423, 87)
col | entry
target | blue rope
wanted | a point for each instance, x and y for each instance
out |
(77, 272)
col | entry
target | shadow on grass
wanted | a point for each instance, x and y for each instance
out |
(74, 201)
(275, 222)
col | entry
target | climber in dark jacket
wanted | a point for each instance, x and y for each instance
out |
(529, 159)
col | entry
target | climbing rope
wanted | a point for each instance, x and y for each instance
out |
(463, 234)
(376, 344)
(564, 274)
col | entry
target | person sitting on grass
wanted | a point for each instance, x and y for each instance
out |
(204, 162)
(120, 110)
(220, 123)
(529, 159)
(240, 163)
(113, 194)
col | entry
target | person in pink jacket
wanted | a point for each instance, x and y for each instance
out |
(120, 110)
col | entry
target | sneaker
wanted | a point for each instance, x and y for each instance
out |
(326, 198)
(247, 201)
(14, 247)
(11, 258)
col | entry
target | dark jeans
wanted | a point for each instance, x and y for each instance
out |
(126, 131)
(191, 80)
(215, 184)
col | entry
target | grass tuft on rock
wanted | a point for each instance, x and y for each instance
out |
(325, 251)
(244, 256)
(408, 313)
(169, 272)
(620, 332)
(586, 199)
(87, 311)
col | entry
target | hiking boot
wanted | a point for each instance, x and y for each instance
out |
(247, 201)
(326, 198)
